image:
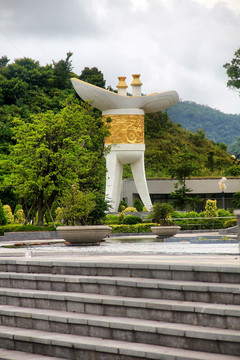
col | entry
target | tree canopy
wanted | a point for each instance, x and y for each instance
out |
(233, 71)
(53, 151)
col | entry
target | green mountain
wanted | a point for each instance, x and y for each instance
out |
(167, 144)
(218, 126)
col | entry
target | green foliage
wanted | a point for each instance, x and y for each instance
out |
(62, 70)
(93, 76)
(211, 208)
(8, 213)
(122, 205)
(224, 213)
(233, 71)
(121, 218)
(3, 61)
(3, 218)
(138, 204)
(76, 206)
(19, 218)
(168, 150)
(138, 228)
(236, 200)
(162, 213)
(111, 219)
(101, 207)
(180, 197)
(130, 209)
(220, 127)
(230, 223)
(234, 148)
(233, 170)
(131, 220)
(156, 124)
(190, 214)
(22, 228)
(55, 150)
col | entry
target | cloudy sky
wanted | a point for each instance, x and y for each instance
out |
(174, 44)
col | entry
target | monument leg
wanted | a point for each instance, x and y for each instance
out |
(113, 180)
(139, 177)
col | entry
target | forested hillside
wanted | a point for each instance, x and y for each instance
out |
(220, 127)
(168, 145)
(36, 164)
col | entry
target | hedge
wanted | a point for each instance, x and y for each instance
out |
(138, 228)
(20, 228)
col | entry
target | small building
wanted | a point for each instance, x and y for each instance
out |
(202, 189)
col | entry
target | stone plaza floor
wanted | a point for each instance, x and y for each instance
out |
(181, 244)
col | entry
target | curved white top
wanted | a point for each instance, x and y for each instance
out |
(105, 100)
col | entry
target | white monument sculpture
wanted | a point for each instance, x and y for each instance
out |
(127, 131)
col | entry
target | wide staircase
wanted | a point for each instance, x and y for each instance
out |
(113, 311)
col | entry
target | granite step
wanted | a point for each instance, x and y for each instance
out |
(202, 273)
(124, 286)
(82, 347)
(189, 337)
(186, 312)
(21, 355)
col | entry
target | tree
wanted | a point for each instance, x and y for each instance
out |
(3, 61)
(53, 151)
(233, 71)
(185, 167)
(77, 206)
(162, 213)
(138, 204)
(62, 70)
(93, 76)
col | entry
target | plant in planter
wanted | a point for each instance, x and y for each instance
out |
(79, 212)
(161, 214)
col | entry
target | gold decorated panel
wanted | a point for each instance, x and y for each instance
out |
(125, 129)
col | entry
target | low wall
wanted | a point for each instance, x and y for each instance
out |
(29, 235)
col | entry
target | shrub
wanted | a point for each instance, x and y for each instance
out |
(3, 219)
(8, 213)
(19, 217)
(137, 228)
(138, 204)
(18, 207)
(59, 215)
(16, 228)
(162, 212)
(121, 217)
(111, 219)
(130, 220)
(230, 223)
(122, 205)
(211, 208)
(130, 209)
(222, 212)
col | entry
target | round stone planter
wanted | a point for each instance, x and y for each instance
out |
(164, 232)
(84, 235)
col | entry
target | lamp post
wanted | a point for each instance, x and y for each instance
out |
(222, 187)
